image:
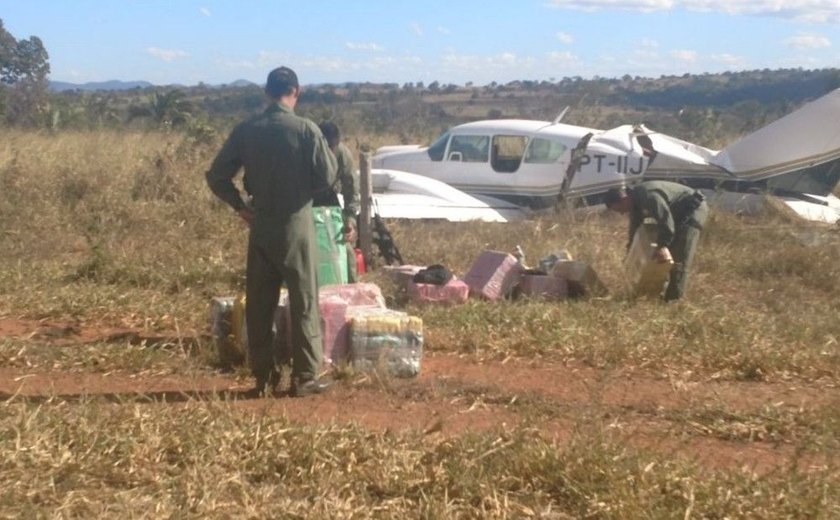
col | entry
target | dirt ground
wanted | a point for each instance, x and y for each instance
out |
(454, 395)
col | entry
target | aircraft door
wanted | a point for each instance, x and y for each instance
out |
(467, 161)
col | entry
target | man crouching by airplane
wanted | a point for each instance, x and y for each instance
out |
(680, 213)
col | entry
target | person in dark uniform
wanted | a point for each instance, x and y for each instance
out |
(287, 162)
(680, 214)
(348, 186)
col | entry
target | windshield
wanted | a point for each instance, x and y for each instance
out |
(437, 148)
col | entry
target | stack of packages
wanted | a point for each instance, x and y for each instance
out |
(360, 331)
(496, 275)
(356, 327)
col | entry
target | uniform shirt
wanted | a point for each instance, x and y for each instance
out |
(348, 177)
(347, 183)
(665, 202)
(286, 162)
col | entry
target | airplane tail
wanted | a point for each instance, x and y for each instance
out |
(805, 142)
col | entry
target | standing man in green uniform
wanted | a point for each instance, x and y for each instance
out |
(680, 214)
(286, 162)
(348, 185)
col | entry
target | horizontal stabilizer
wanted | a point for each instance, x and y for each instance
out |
(804, 138)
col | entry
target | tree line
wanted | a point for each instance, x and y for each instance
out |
(703, 108)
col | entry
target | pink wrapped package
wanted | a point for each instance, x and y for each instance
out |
(543, 286)
(355, 293)
(333, 328)
(453, 293)
(335, 302)
(493, 275)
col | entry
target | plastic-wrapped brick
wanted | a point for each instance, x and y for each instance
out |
(386, 338)
(454, 292)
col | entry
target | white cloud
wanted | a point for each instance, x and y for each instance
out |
(166, 54)
(505, 60)
(364, 46)
(628, 5)
(823, 11)
(808, 41)
(649, 43)
(379, 67)
(730, 60)
(564, 37)
(684, 55)
(443, 30)
(561, 57)
(416, 28)
(205, 11)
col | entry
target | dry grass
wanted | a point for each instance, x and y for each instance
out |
(119, 229)
(207, 460)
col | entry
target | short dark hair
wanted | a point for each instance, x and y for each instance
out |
(614, 196)
(331, 133)
(281, 81)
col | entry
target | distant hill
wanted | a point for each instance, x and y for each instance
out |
(115, 85)
(241, 83)
(61, 86)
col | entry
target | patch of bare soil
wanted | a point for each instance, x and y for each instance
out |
(452, 395)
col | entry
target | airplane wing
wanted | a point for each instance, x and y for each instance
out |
(400, 194)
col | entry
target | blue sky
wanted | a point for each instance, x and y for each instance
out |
(454, 41)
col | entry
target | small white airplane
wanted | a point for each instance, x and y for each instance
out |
(536, 164)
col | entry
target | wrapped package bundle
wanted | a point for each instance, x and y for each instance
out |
(580, 277)
(544, 286)
(332, 253)
(334, 303)
(385, 338)
(454, 292)
(222, 330)
(493, 275)
(646, 276)
(365, 294)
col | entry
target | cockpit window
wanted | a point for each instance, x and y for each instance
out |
(544, 151)
(469, 148)
(507, 152)
(437, 149)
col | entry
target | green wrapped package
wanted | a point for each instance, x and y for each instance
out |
(332, 251)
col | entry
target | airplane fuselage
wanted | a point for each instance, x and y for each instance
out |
(536, 163)
(521, 161)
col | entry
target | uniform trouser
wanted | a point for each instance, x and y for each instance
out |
(682, 249)
(268, 270)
